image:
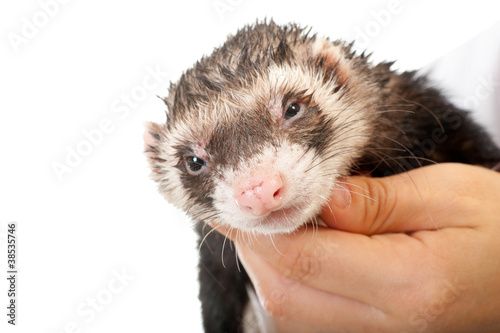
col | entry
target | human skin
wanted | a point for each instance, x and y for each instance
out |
(415, 252)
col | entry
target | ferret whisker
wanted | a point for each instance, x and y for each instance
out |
(362, 195)
(236, 250)
(223, 246)
(304, 231)
(285, 216)
(433, 114)
(274, 244)
(384, 158)
(336, 153)
(340, 183)
(207, 234)
(345, 189)
(259, 133)
(315, 228)
(330, 207)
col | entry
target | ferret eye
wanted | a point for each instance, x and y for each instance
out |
(292, 110)
(195, 164)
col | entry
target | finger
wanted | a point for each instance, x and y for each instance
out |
(337, 262)
(429, 198)
(290, 300)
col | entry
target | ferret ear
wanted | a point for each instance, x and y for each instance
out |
(153, 136)
(331, 56)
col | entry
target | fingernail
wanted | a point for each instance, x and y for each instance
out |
(340, 197)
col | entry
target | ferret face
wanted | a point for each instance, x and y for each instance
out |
(259, 132)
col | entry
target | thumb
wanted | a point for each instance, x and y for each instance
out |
(428, 198)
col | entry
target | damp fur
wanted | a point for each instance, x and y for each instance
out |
(230, 111)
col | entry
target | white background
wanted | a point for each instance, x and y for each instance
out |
(103, 216)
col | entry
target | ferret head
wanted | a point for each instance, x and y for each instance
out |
(259, 132)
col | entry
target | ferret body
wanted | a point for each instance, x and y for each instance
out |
(259, 132)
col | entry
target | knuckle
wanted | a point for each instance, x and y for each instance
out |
(279, 299)
(301, 266)
(280, 302)
(274, 302)
(380, 203)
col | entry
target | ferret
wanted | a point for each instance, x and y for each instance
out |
(259, 133)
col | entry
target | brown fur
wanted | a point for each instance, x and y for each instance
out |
(229, 111)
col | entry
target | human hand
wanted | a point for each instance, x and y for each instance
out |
(415, 252)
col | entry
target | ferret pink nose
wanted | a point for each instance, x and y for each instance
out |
(261, 195)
